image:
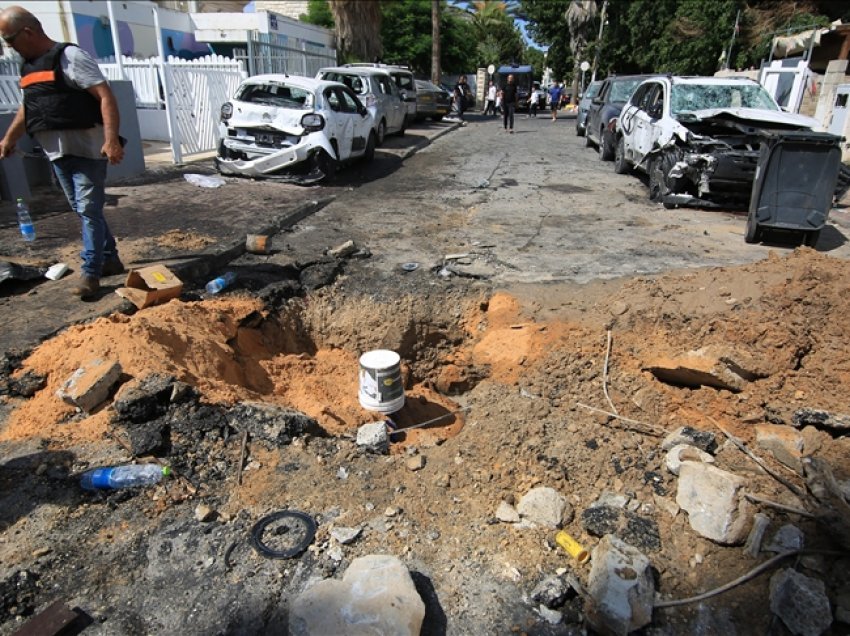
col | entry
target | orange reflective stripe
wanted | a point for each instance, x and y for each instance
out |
(37, 78)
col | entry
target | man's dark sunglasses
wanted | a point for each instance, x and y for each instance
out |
(8, 39)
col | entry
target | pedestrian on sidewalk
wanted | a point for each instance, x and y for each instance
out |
(71, 111)
(509, 99)
(555, 99)
(491, 100)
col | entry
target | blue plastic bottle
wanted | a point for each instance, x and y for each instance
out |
(25, 221)
(217, 284)
(130, 476)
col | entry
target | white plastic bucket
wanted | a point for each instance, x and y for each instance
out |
(381, 388)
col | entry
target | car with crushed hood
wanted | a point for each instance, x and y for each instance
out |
(292, 128)
(725, 142)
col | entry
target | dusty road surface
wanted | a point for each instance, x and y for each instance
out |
(519, 279)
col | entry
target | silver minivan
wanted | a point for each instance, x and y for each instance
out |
(379, 94)
(403, 80)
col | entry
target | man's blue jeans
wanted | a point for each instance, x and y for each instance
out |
(83, 181)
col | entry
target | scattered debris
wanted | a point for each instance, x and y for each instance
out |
(801, 602)
(376, 595)
(787, 539)
(373, 438)
(544, 506)
(506, 513)
(752, 547)
(344, 250)
(703, 440)
(204, 513)
(621, 588)
(150, 286)
(550, 592)
(820, 419)
(608, 516)
(345, 535)
(417, 462)
(204, 181)
(704, 367)
(89, 386)
(16, 271)
(784, 443)
(714, 501)
(685, 453)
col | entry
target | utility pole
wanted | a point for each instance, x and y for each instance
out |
(732, 41)
(435, 41)
(598, 40)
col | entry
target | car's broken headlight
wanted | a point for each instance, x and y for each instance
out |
(226, 111)
(311, 122)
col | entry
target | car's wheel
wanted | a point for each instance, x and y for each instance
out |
(656, 180)
(579, 131)
(369, 154)
(811, 238)
(606, 149)
(403, 127)
(753, 232)
(588, 142)
(326, 163)
(621, 164)
(382, 132)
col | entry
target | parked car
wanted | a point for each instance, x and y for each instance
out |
(604, 110)
(432, 101)
(704, 140)
(584, 105)
(282, 124)
(403, 78)
(378, 92)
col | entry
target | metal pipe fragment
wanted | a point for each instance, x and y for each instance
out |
(753, 544)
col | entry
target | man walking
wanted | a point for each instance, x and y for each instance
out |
(555, 99)
(509, 99)
(70, 110)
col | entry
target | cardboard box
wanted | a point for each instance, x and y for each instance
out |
(150, 285)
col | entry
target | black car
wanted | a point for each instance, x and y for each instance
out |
(432, 101)
(604, 110)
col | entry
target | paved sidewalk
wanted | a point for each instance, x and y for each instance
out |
(161, 203)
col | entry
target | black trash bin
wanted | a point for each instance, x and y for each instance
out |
(794, 184)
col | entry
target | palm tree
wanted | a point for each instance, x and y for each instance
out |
(580, 15)
(358, 28)
(435, 41)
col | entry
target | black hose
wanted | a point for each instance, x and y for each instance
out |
(260, 527)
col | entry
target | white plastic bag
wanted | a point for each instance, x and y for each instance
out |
(205, 181)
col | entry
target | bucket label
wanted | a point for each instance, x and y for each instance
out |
(381, 385)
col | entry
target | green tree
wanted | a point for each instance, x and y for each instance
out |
(547, 24)
(495, 32)
(318, 13)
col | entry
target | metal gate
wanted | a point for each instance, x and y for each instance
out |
(194, 95)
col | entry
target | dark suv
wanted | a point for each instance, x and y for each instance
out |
(604, 110)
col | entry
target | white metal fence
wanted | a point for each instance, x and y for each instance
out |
(196, 90)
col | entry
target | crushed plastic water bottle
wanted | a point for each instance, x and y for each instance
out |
(130, 476)
(217, 284)
(25, 221)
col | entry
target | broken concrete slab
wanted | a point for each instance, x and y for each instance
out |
(507, 513)
(714, 501)
(544, 506)
(786, 539)
(373, 438)
(820, 419)
(551, 591)
(801, 602)
(620, 587)
(703, 440)
(89, 386)
(375, 596)
(783, 442)
(345, 535)
(143, 399)
(685, 453)
(709, 366)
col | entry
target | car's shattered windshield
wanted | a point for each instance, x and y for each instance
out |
(278, 95)
(621, 90)
(690, 97)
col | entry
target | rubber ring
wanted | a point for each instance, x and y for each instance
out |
(260, 527)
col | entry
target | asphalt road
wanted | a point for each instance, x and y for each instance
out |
(529, 207)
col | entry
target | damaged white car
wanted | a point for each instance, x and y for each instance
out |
(724, 142)
(292, 128)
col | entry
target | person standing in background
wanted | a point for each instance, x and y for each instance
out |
(491, 100)
(509, 99)
(71, 111)
(555, 99)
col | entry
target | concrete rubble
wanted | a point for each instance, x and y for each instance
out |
(714, 501)
(621, 588)
(783, 442)
(90, 385)
(708, 366)
(821, 419)
(373, 438)
(685, 452)
(544, 506)
(376, 595)
(703, 440)
(801, 602)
